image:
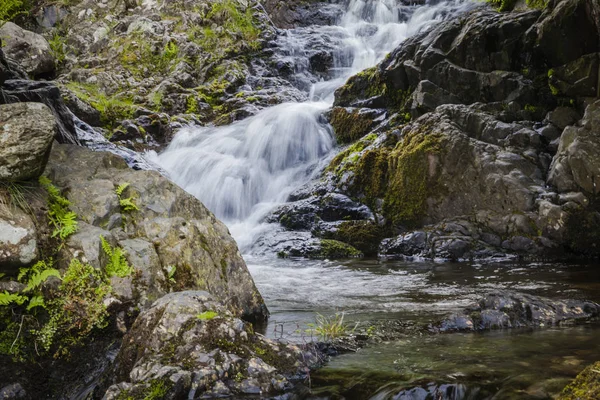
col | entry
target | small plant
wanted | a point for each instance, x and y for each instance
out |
(61, 217)
(57, 47)
(12, 194)
(192, 105)
(331, 327)
(171, 269)
(117, 264)
(207, 315)
(10, 9)
(127, 203)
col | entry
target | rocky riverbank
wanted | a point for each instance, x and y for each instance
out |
(474, 139)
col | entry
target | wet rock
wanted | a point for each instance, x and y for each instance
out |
(29, 49)
(194, 347)
(171, 230)
(504, 309)
(26, 132)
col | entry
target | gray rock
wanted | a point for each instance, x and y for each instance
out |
(29, 49)
(13, 391)
(504, 309)
(199, 349)
(26, 134)
(171, 229)
(576, 165)
(18, 238)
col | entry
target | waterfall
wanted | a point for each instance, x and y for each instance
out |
(243, 170)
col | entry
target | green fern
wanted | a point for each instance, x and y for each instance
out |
(127, 203)
(9, 298)
(36, 301)
(37, 279)
(117, 263)
(61, 217)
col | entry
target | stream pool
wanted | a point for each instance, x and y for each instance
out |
(508, 364)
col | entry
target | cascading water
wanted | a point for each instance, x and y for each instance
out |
(242, 171)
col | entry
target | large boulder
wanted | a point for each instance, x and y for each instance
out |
(190, 346)
(586, 386)
(29, 49)
(26, 134)
(576, 166)
(171, 240)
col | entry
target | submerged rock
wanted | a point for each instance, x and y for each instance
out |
(189, 346)
(585, 387)
(505, 309)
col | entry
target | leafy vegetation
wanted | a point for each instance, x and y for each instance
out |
(60, 216)
(127, 203)
(332, 327)
(10, 9)
(117, 264)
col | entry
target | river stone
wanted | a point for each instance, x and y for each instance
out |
(18, 238)
(505, 309)
(26, 134)
(13, 392)
(29, 49)
(171, 229)
(197, 348)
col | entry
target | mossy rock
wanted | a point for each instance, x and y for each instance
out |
(585, 387)
(413, 178)
(363, 235)
(350, 124)
(334, 249)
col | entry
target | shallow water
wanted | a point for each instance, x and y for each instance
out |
(508, 364)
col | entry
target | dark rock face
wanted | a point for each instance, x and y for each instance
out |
(518, 310)
(467, 140)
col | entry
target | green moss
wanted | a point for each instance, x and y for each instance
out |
(539, 4)
(371, 175)
(336, 249)
(412, 178)
(224, 269)
(207, 315)
(585, 387)
(349, 126)
(350, 154)
(362, 235)
(113, 109)
(503, 5)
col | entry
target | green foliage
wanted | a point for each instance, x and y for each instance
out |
(171, 270)
(192, 105)
(117, 263)
(57, 47)
(158, 390)
(168, 54)
(113, 109)
(207, 315)
(10, 9)
(13, 194)
(127, 203)
(77, 310)
(60, 216)
(11, 298)
(332, 327)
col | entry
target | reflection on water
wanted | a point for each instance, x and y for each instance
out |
(505, 364)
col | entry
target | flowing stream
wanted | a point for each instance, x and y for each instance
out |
(244, 170)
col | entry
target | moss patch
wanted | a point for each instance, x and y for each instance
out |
(337, 249)
(349, 125)
(585, 387)
(413, 178)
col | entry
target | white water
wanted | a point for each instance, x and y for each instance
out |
(244, 170)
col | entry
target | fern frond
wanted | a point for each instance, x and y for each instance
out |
(2, 275)
(117, 264)
(8, 298)
(121, 188)
(36, 301)
(40, 277)
(128, 204)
